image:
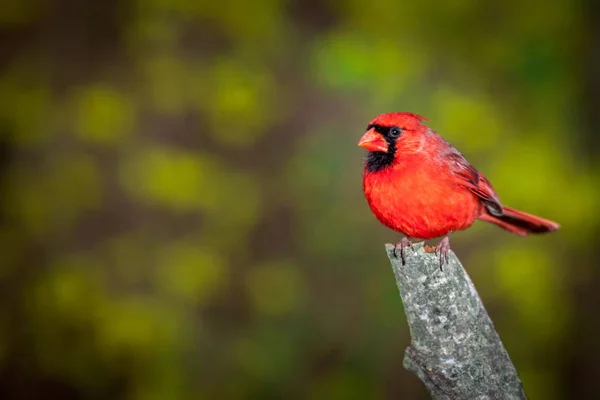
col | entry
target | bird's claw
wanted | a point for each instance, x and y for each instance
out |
(442, 249)
(402, 245)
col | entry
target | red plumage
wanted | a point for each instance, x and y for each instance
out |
(420, 185)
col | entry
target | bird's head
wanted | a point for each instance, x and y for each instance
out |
(386, 133)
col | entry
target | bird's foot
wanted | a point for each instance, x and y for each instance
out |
(402, 245)
(442, 249)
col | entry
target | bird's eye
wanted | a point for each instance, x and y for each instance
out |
(395, 132)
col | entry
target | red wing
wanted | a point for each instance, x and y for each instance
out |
(473, 180)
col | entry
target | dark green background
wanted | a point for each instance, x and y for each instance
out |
(182, 214)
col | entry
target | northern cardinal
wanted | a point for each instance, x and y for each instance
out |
(420, 185)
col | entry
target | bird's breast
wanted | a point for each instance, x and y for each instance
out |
(420, 200)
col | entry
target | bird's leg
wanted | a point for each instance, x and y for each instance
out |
(442, 249)
(402, 245)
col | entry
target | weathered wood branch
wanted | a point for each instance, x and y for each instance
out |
(455, 349)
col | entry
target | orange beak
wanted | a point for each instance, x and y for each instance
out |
(373, 141)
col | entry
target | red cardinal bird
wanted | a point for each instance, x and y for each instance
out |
(421, 186)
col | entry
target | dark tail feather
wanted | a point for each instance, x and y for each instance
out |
(520, 223)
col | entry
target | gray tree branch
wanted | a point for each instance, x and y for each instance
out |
(455, 349)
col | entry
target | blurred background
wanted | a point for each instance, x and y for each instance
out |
(180, 191)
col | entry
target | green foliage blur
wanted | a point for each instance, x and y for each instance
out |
(182, 214)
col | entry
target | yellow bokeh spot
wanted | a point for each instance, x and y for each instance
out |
(72, 290)
(29, 114)
(137, 325)
(275, 288)
(242, 105)
(239, 200)
(527, 276)
(103, 114)
(165, 82)
(469, 120)
(26, 101)
(190, 272)
(173, 178)
(70, 185)
(343, 59)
